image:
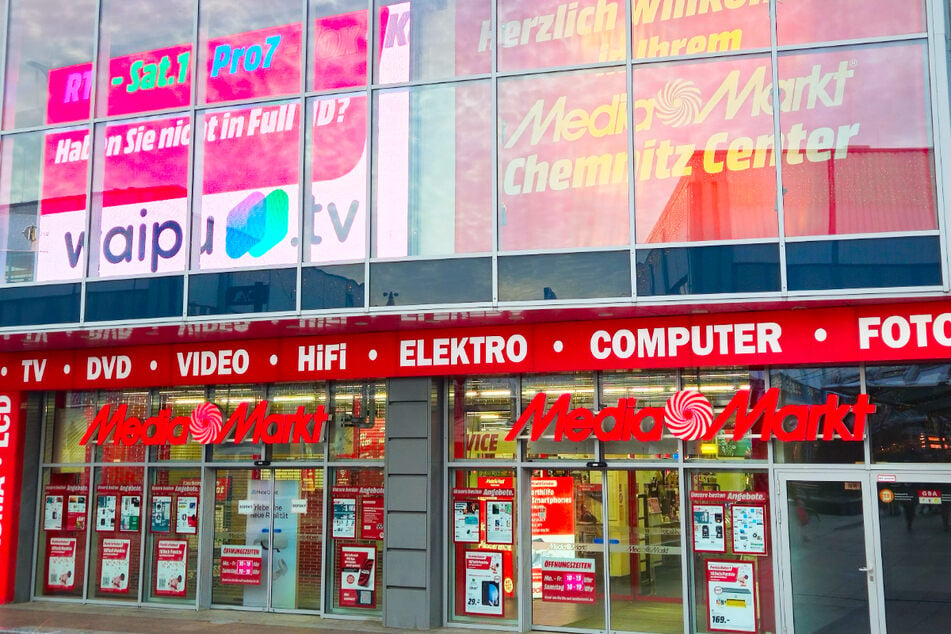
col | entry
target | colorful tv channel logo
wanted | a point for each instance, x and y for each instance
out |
(257, 224)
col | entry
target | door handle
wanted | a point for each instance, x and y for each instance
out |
(865, 569)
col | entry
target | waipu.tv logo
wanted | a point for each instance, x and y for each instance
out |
(257, 224)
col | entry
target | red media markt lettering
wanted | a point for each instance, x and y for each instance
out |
(689, 415)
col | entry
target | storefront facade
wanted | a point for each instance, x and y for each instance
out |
(593, 316)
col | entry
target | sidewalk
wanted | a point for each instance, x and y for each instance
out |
(70, 618)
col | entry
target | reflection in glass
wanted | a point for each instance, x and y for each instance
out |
(234, 584)
(483, 410)
(827, 555)
(288, 398)
(561, 185)
(565, 276)
(249, 49)
(545, 33)
(648, 389)
(432, 170)
(43, 205)
(742, 268)
(49, 62)
(911, 422)
(541, 393)
(357, 421)
(720, 386)
(337, 44)
(704, 165)
(812, 386)
(242, 292)
(247, 212)
(145, 55)
(914, 521)
(144, 298)
(807, 21)
(355, 493)
(857, 146)
(117, 515)
(61, 538)
(666, 29)
(452, 281)
(877, 263)
(332, 287)
(171, 557)
(32, 306)
(140, 198)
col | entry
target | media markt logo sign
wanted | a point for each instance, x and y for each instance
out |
(206, 426)
(689, 415)
(257, 224)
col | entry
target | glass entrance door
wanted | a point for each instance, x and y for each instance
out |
(828, 569)
(268, 536)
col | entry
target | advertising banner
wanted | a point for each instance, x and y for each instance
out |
(371, 522)
(568, 580)
(53, 513)
(240, 565)
(161, 513)
(61, 563)
(357, 577)
(171, 564)
(483, 583)
(105, 513)
(553, 523)
(731, 596)
(130, 512)
(76, 513)
(186, 518)
(114, 565)
(261, 63)
(709, 528)
(466, 522)
(498, 522)
(345, 518)
(749, 529)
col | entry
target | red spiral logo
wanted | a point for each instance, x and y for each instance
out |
(206, 423)
(688, 415)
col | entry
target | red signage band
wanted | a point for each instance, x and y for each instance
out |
(689, 415)
(878, 333)
(11, 450)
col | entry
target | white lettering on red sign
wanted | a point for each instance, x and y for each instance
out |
(897, 331)
(109, 367)
(722, 339)
(208, 363)
(6, 407)
(36, 366)
(322, 357)
(488, 350)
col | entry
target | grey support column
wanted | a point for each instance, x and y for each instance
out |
(413, 570)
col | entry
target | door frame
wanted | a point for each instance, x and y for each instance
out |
(782, 522)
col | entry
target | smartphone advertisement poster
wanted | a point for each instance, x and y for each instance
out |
(483, 583)
(171, 564)
(466, 522)
(731, 598)
(357, 577)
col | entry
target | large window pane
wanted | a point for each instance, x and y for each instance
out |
(247, 210)
(332, 287)
(669, 29)
(643, 389)
(335, 208)
(35, 305)
(43, 180)
(719, 386)
(857, 140)
(580, 392)
(145, 55)
(563, 161)
(432, 171)
(699, 270)
(911, 422)
(432, 40)
(820, 21)
(141, 298)
(358, 421)
(482, 410)
(49, 62)
(249, 49)
(454, 281)
(703, 136)
(140, 204)
(565, 276)
(242, 292)
(118, 514)
(337, 45)
(61, 538)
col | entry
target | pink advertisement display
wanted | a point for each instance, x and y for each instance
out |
(340, 50)
(261, 63)
(240, 565)
(357, 577)
(61, 252)
(568, 580)
(151, 80)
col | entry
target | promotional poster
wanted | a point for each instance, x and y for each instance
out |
(114, 565)
(483, 583)
(357, 577)
(171, 563)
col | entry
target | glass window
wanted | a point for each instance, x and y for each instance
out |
(181, 402)
(743, 268)
(356, 545)
(806, 21)
(669, 29)
(432, 40)
(137, 404)
(140, 198)
(35, 305)
(876, 263)
(337, 46)
(544, 33)
(715, 518)
(813, 386)
(49, 62)
(703, 137)
(432, 170)
(251, 49)
(335, 208)
(357, 421)
(483, 566)
(229, 398)
(482, 410)
(558, 394)
(242, 292)
(43, 180)
(719, 387)
(141, 298)
(61, 539)
(247, 213)
(145, 55)
(68, 415)
(332, 287)
(171, 551)
(857, 140)
(290, 398)
(910, 423)
(430, 282)
(647, 389)
(565, 276)
(563, 155)
(117, 534)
